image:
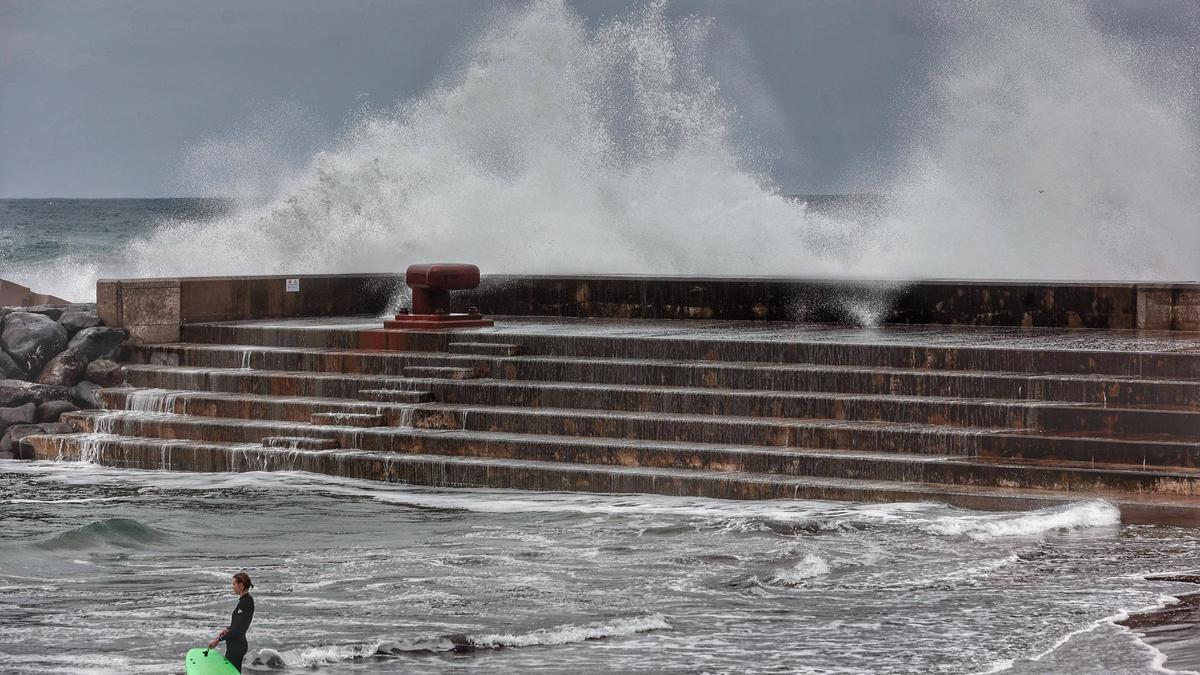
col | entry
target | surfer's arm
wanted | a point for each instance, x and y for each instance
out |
(217, 640)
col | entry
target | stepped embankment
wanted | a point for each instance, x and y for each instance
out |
(980, 417)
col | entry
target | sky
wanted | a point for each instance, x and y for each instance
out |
(118, 98)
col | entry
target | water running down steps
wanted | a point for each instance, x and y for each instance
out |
(828, 414)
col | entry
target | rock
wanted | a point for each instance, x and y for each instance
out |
(85, 396)
(15, 393)
(10, 369)
(65, 369)
(14, 434)
(11, 441)
(50, 411)
(106, 373)
(79, 316)
(32, 339)
(23, 414)
(53, 312)
(98, 342)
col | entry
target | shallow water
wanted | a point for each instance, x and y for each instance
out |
(121, 571)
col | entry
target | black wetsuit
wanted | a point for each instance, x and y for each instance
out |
(235, 639)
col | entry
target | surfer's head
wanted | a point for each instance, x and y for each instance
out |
(242, 583)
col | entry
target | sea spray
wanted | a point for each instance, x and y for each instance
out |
(561, 147)
(1046, 149)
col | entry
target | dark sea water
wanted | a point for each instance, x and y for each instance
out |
(63, 245)
(121, 571)
(42, 230)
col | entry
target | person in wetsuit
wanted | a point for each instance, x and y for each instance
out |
(235, 635)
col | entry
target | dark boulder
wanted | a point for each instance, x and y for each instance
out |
(106, 373)
(11, 441)
(13, 435)
(51, 411)
(32, 339)
(10, 369)
(66, 369)
(98, 342)
(78, 317)
(23, 414)
(52, 312)
(85, 396)
(16, 392)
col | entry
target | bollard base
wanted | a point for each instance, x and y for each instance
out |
(436, 321)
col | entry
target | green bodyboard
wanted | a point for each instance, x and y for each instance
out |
(207, 662)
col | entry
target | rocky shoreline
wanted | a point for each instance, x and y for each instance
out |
(53, 360)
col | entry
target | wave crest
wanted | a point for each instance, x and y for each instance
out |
(1094, 513)
(123, 533)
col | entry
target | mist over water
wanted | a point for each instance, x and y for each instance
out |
(1043, 148)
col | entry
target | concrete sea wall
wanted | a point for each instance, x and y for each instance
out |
(154, 309)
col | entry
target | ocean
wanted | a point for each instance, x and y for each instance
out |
(62, 245)
(122, 571)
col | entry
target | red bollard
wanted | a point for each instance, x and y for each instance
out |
(431, 285)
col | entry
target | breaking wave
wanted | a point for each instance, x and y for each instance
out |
(1094, 513)
(563, 147)
(121, 533)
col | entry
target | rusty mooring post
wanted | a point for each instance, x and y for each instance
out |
(431, 285)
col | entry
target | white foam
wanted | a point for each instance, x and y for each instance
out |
(322, 655)
(931, 518)
(567, 634)
(1094, 513)
(811, 566)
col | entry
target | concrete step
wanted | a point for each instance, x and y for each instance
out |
(299, 359)
(395, 395)
(248, 406)
(547, 475)
(489, 348)
(440, 372)
(344, 419)
(976, 413)
(867, 436)
(1075, 448)
(934, 349)
(1116, 421)
(1082, 388)
(299, 443)
(756, 431)
(940, 469)
(1162, 450)
(800, 405)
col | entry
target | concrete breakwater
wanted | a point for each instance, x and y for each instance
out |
(53, 360)
(991, 418)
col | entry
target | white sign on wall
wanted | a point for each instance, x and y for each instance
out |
(293, 285)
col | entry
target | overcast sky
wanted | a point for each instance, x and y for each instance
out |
(104, 99)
